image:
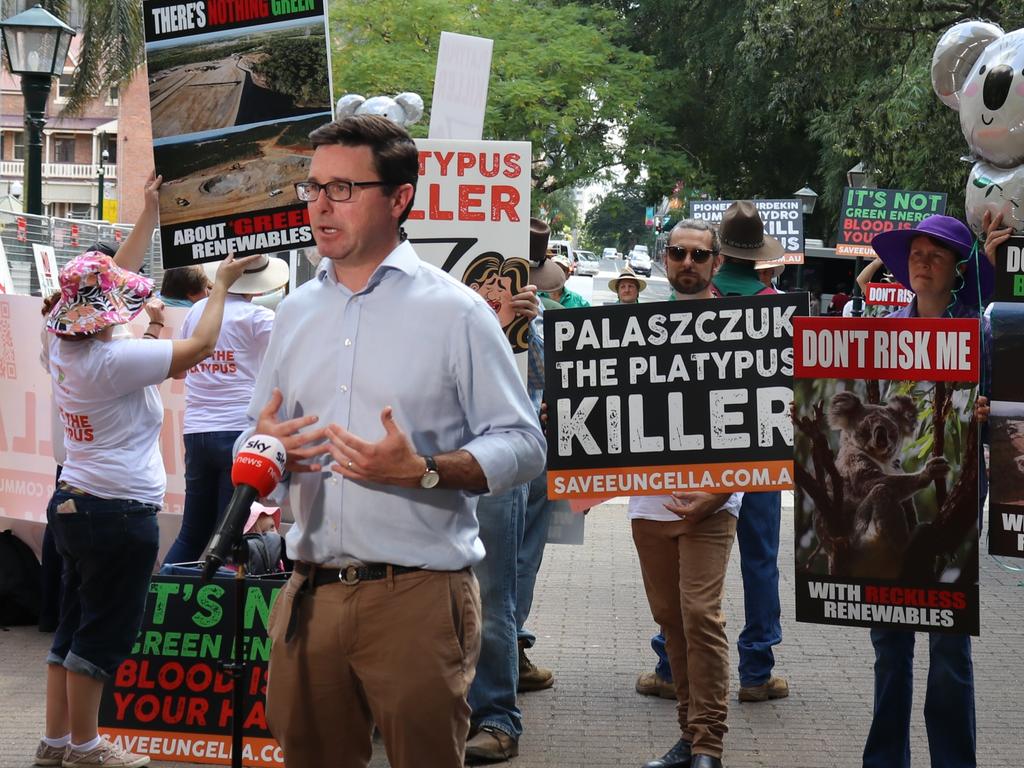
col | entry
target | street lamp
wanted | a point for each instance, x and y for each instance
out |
(37, 45)
(808, 199)
(860, 176)
(104, 157)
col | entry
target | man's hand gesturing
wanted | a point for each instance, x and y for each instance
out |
(300, 446)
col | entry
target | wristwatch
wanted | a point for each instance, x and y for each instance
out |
(430, 477)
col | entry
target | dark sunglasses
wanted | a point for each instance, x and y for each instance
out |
(678, 253)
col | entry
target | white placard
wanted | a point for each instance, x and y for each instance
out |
(46, 268)
(460, 87)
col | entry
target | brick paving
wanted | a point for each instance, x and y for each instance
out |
(593, 625)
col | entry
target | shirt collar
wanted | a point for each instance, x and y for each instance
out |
(403, 258)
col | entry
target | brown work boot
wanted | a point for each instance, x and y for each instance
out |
(649, 684)
(532, 677)
(775, 688)
(489, 745)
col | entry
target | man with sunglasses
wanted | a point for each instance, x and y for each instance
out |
(398, 401)
(684, 541)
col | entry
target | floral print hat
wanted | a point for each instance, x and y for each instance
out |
(95, 293)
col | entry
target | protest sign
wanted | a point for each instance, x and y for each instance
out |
(651, 398)
(46, 269)
(1009, 285)
(783, 220)
(460, 87)
(888, 295)
(866, 212)
(1006, 433)
(235, 89)
(169, 699)
(886, 472)
(471, 218)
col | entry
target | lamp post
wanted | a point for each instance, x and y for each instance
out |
(37, 44)
(100, 170)
(859, 177)
(808, 199)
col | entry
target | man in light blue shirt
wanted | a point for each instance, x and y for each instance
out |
(418, 408)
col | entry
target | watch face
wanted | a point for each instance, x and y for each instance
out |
(430, 479)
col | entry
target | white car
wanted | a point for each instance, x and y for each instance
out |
(610, 253)
(587, 263)
(640, 261)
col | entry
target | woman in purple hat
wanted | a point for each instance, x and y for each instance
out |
(937, 260)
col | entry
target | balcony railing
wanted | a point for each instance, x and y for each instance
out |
(85, 171)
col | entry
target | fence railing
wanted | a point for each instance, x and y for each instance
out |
(59, 170)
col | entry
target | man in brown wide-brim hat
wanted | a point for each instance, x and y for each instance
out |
(744, 244)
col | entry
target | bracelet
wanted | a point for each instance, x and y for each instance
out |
(154, 322)
(148, 335)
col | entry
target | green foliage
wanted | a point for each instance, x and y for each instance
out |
(559, 77)
(296, 66)
(618, 220)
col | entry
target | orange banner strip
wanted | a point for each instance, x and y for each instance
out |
(207, 748)
(657, 481)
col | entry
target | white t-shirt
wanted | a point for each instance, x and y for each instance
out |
(111, 410)
(653, 507)
(218, 390)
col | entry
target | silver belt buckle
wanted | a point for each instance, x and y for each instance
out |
(349, 575)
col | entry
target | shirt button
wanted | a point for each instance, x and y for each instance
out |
(348, 342)
(344, 388)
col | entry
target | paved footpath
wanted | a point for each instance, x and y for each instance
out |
(593, 625)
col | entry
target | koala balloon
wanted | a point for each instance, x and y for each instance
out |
(978, 70)
(404, 109)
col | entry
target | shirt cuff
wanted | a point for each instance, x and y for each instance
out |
(507, 460)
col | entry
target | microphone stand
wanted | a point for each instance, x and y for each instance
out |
(237, 666)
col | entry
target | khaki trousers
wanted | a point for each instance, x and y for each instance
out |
(399, 652)
(684, 566)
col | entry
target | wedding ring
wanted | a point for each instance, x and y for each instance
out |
(350, 465)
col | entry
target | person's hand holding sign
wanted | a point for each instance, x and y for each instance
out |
(696, 506)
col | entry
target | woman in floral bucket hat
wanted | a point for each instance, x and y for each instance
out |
(103, 511)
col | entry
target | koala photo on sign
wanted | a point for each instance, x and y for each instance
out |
(886, 510)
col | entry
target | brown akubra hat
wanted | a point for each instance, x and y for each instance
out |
(544, 273)
(742, 234)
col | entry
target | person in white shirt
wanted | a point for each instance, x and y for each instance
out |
(103, 511)
(217, 394)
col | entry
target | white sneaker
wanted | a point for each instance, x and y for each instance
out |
(107, 755)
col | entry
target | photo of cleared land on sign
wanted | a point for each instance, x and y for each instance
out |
(233, 173)
(238, 78)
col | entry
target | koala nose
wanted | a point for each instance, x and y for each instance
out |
(997, 86)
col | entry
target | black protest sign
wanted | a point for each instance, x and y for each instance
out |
(170, 699)
(783, 220)
(1010, 271)
(645, 399)
(886, 472)
(866, 212)
(1006, 432)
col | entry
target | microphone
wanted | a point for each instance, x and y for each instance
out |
(255, 473)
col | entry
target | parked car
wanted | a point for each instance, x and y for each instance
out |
(640, 260)
(587, 263)
(610, 253)
(563, 248)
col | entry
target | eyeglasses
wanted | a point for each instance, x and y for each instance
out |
(337, 191)
(678, 253)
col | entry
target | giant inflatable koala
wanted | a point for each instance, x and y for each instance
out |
(876, 493)
(978, 70)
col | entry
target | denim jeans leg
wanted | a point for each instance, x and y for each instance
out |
(663, 668)
(492, 697)
(888, 743)
(757, 532)
(208, 459)
(531, 552)
(949, 702)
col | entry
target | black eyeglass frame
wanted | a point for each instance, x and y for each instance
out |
(340, 184)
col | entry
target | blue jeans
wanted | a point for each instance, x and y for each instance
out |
(531, 552)
(758, 535)
(109, 548)
(948, 705)
(662, 669)
(208, 489)
(492, 697)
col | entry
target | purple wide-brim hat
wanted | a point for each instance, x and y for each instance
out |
(893, 248)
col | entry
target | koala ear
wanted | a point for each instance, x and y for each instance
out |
(413, 106)
(954, 57)
(347, 105)
(904, 410)
(845, 410)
